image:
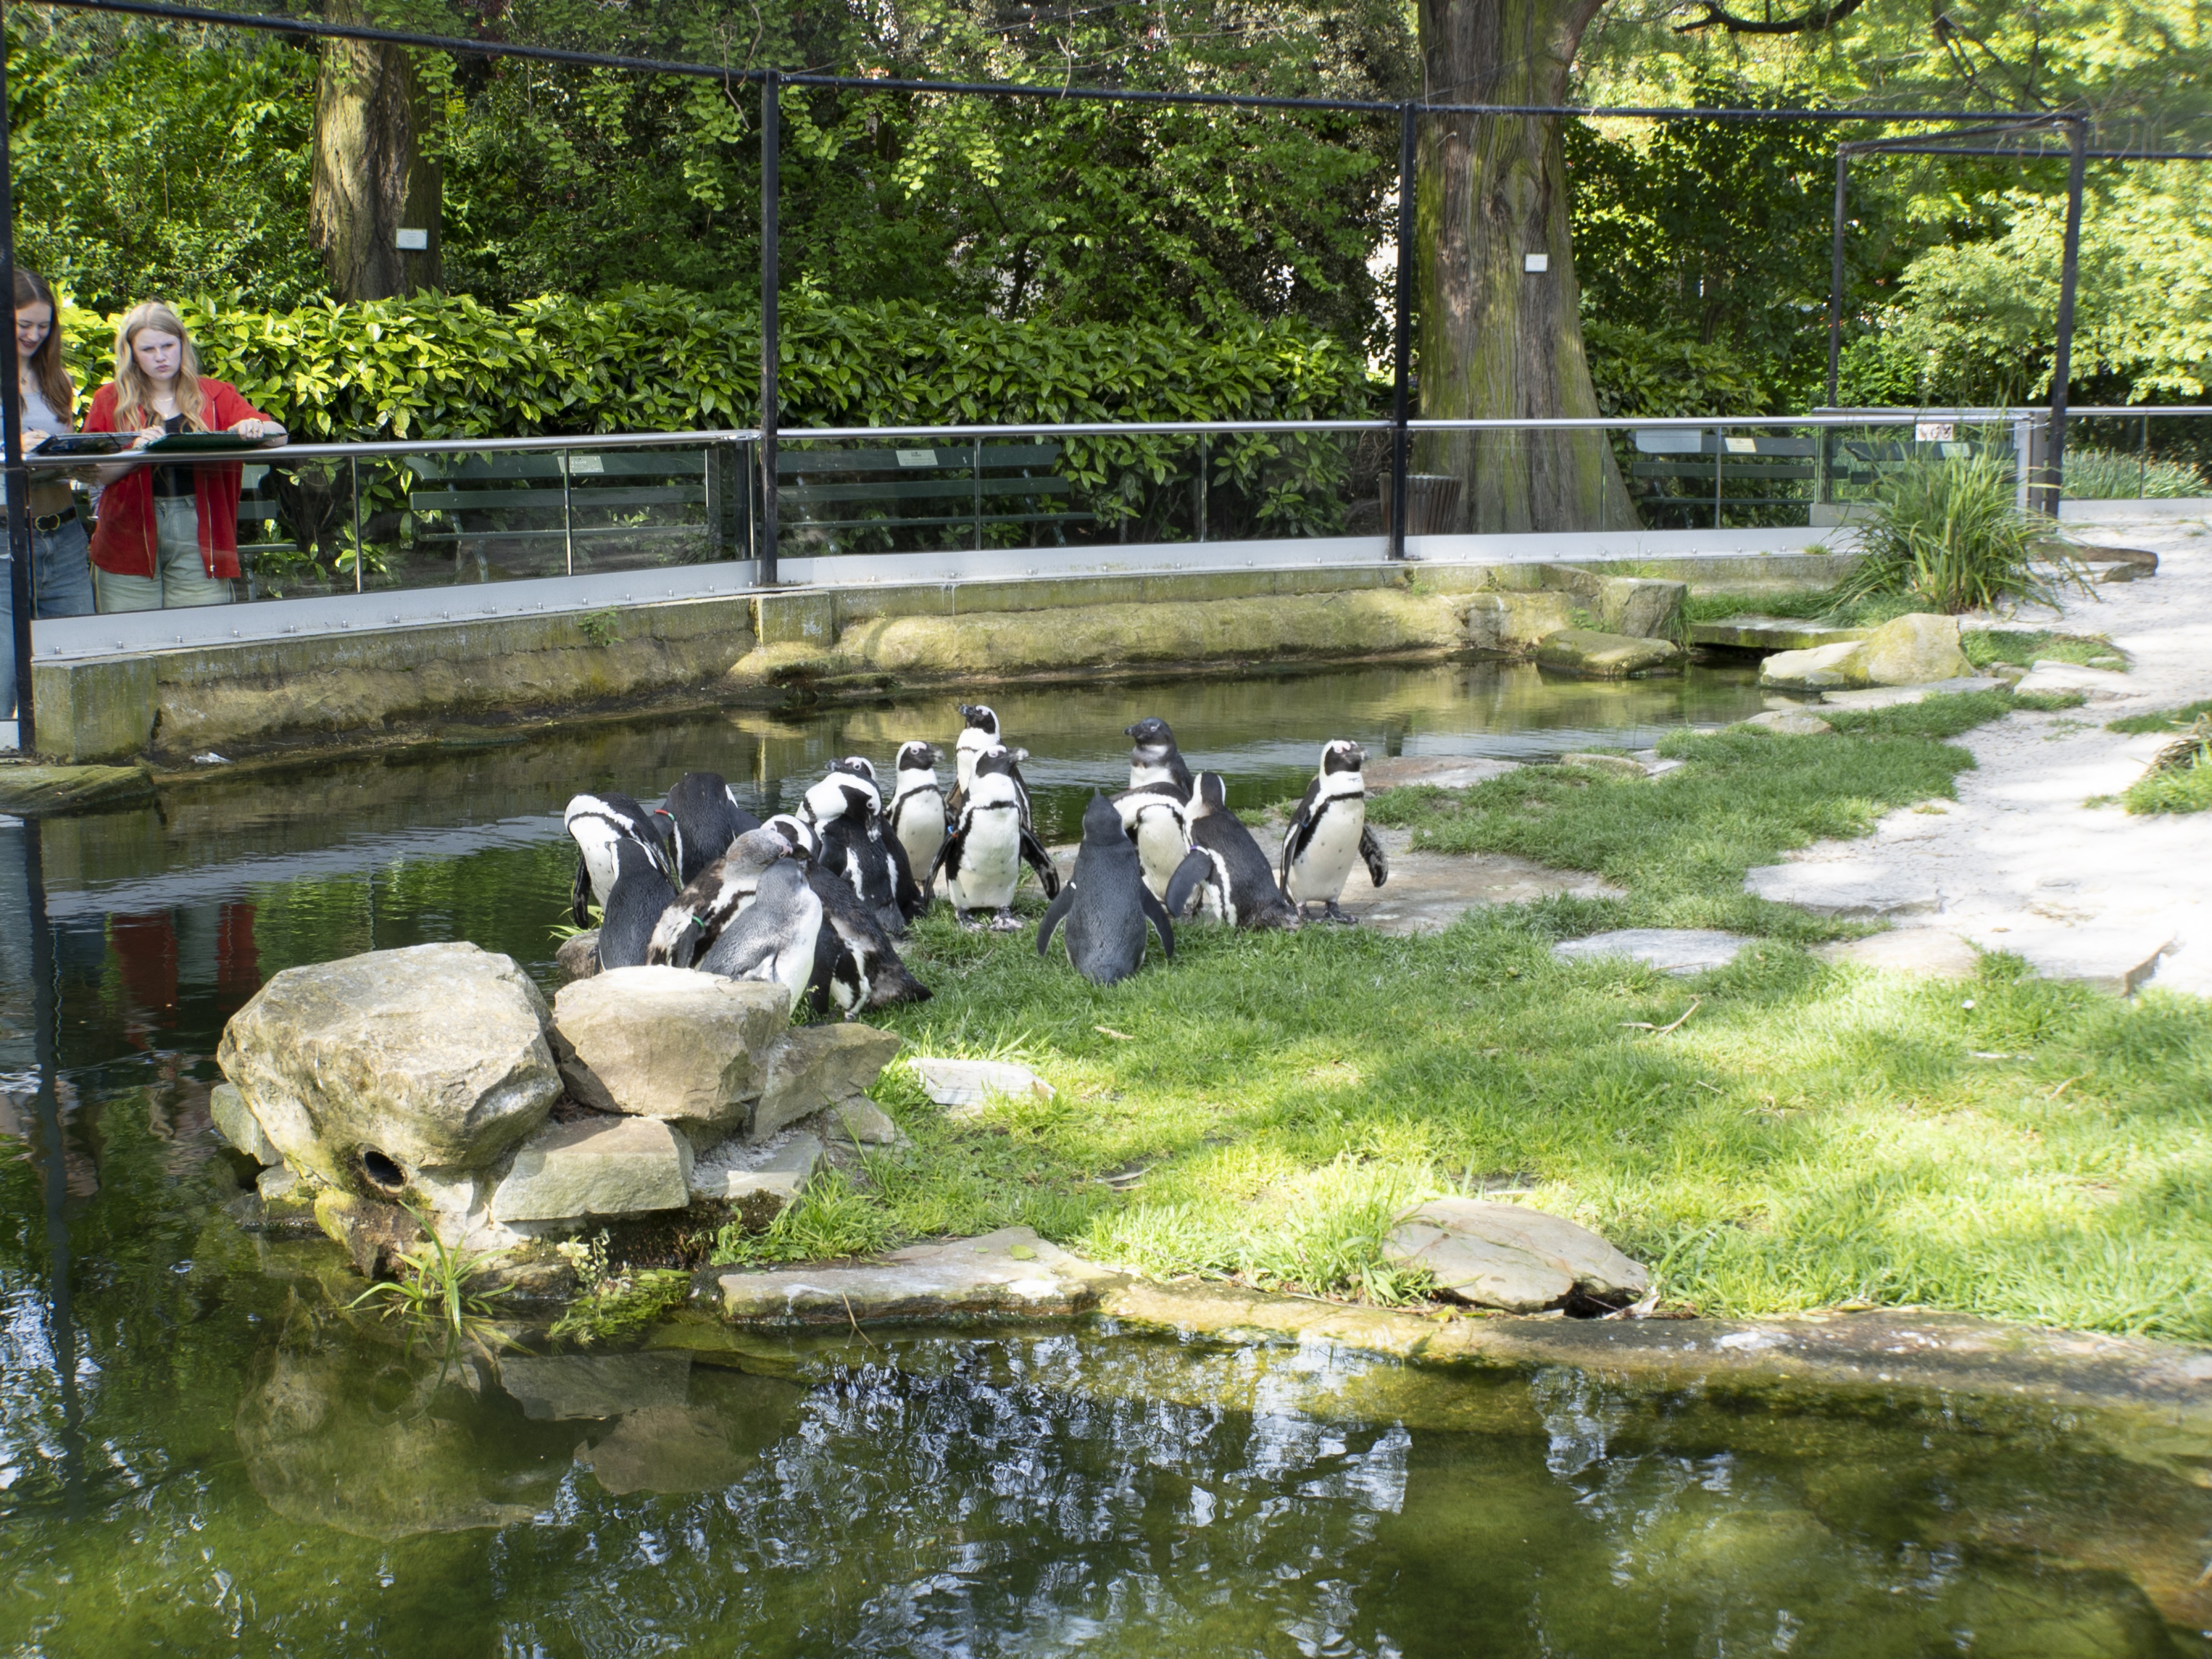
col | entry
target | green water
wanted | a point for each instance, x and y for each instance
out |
(201, 1451)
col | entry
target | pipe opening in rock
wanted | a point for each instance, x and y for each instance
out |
(380, 1171)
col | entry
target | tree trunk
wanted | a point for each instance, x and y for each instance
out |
(1498, 340)
(371, 179)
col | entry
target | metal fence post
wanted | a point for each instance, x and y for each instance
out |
(1836, 277)
(22, 591)
(568, 521)
(976, 473)
(771, 339)
(1402, 344)
(2061, 353)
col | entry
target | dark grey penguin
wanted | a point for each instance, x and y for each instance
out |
(857, 965)
(776, 935)
(705, 817)
(595, 823)
(845, 809)
(1106, 903)
(1240, 889)
(1154, 759)
(642, 892)
(1329, 831)
(711, 900)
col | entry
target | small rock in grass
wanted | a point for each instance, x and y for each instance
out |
(1674, 950)
(973, 1083)
(1787, 722)
(1618, 766)
(1503, 1256)
(2098, 684)
(760, 1183)
(596, 1166)
(1928, 951)
(1010, 1272)
(859, 1123)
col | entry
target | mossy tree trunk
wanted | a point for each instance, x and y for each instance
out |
(371, 178)
(1496, 339)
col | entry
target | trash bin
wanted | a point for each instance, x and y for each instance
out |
(1431, 502)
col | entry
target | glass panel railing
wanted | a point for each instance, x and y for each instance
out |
(2145, 454)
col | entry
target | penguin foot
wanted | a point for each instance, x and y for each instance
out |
(1005, 923)
(1333, 914)
(967, 924)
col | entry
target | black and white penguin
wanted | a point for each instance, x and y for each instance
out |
(846, 810)
(1240, 888)
(704, 818)
(1157, 820)
(711, 900)
(858, 965)
(983, 852)
(916, 814)
(640, 893)
(1329, 831)
(1154, 759)
(1106, 903)
(981, 735)
(777, 936)
(595, 823)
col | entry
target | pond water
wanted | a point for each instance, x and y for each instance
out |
(202, 1452)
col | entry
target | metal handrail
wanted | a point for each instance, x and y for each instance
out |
(421, 446)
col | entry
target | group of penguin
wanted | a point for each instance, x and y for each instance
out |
(816, 900)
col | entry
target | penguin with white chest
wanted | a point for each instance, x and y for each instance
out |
(846, 810)
(1105, 903)
(1241, 889)
(595, 823)
(916, 814)
(1329, 831)
(990, 840)
(777, 937)
(982, 736)
(1154, 759)
(857, 965)
(713, 899)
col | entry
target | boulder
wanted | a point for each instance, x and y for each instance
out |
(812, 1066)
(579, 955)
(239, 1126)
(362, 1070)
(1641, 607)
(1502, 1255)
(1787, 722)
(1815, 668)
(1913, 650)
(859, 1123)
(1600, 656)
(758, 1182)
(668, 1042)
(596, 1166)
(375, 1234)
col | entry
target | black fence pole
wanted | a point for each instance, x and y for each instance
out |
(2062, 350)
(45, 1020)
(1836, 277)
(21, 590)
(771, 342)
(1401, 339)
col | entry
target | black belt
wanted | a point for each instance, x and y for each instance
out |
(46, 524)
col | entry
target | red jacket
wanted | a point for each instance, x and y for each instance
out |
(124, 542)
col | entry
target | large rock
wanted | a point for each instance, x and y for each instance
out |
(579, 955)
(1501, 1256)
(1594, 655)
(239, 1126)
(1913, 650)
(1642, 607)
(669, 1042)
(1787, 722)
(365, 1069)
(596, 1166)
(1011, 1272)
(1815, 668)
(1513, 624)
(817, 1066)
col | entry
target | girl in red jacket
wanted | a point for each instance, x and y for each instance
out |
(168, 533)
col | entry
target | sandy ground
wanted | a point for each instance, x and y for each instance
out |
(2019, 863)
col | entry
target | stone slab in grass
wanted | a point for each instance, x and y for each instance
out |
(966, 1085)
(1503, 1256)
(2118, 958)
(1593, 655)
(596, 1166)
(1789, 723)
(1771, 633)
(1896, 696)
(1436, 771)
(1618, 766)
(2097, 684)
(1671, 949)
(1929, 952)
(1428, 892)
(1851, 890)
(1009, 1273)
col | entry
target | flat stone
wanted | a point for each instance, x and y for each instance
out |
(2116, 959)
(2101, 573)
(1773, 633)
(1427, 892)
(562, 1386)
(579, 955)
(2097, 684)
(1787, 722)
(30, 790)
(1814, 668)
(239, 1126)
(1011, 1273)
(2140, 560)
(1896, 696)
(435, 1054)
(1928, 951)
(1618, 766)
(859, 1123)
(667, 1042)
(1845, 890)
(1594, 655)
(760, 1183)
(973, 1083)
(1912, 650)
(280, 1203)
(596, 1166)
(1436, 771)
(1672, 950)
(1503, 1256)
(812, 1066)
(666, 1449)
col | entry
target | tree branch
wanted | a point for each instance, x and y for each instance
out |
(1820, 17)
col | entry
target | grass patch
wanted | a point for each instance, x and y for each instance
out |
(2162, 720)
(1810, 1136)
(2185, 789)
(2026, 646)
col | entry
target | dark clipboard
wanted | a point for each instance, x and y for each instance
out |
(84, 443)
(181, 443)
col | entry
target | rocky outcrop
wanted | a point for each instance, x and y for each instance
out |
(1513, 624)
(226, 1106)
(815, 1066)
(1502, 1255)
(599, 1166)
(1011, 1273)
(1600, 656)
(361, 1071)
(1911, 650)
(688, 1047)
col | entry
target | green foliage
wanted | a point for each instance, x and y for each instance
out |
(2162, 720)
(2104, 475)
(440, 1286)
(831, 1220)
(1668, 371)
(1950, 533)
(2180, 779)
(2028, 646)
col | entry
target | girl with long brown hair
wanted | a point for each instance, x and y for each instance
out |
(167, 534)
(61, 576)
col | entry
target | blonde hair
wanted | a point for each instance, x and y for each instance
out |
(134, 392)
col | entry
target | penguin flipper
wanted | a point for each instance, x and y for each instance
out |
(579, 893)
(1156, 913)
(1035, 855)
(1370, 848)
(1195, 870)
(1300, 832)
(1059, 907)
(906, 892)
(948, 853)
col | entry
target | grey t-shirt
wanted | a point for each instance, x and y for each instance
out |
(38, 416)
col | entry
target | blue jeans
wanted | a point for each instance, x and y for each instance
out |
(61, 569)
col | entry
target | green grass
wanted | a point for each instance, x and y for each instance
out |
(2183, 789)
(1811, 1135)
(2026, 646)
(2161, 720)
(2115, 476)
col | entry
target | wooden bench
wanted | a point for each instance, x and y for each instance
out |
(836, 497)
(1716, 459)
(576, 498)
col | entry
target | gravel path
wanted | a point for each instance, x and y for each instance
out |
(2019, 863)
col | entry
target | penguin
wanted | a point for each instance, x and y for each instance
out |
(858, 965)
(1328, 830)
(711, 901)
(595, 823)
(846, 810)
(1157, 820)
(1241, 889)
(978, 738)
(704, 818)
(983, 852)
(778, 935)
(640, 893)
(1154, 759)
(1106, 903)
(917, 809)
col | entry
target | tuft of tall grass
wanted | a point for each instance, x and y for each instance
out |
(2180, 779)
(2109, 475)
(1950, 534)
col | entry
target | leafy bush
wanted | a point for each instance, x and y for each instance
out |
(1950, 533)
(1667, 373)
(2104, 475)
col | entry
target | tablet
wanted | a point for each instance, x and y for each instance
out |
(84, 443)
(181, 442)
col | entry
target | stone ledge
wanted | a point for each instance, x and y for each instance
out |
(1009, 1273)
